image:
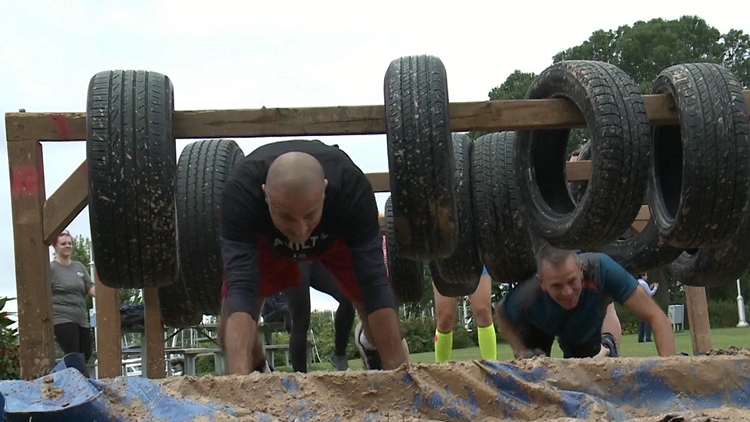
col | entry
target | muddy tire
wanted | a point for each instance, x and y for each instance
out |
(613, 108)
(700, 177)
(505, 244)
(406, 276)
(643, 252)
(637, 253)
(715, 265)
(448, 289)
(420, 158)
(202, 171)
(131, 158)
(464, 265)
(177, 311)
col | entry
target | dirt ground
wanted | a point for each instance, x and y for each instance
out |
(537, 389)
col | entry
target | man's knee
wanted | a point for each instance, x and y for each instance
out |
(445, 321)
(482, 314)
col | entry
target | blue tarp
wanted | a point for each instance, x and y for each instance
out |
(608, 389)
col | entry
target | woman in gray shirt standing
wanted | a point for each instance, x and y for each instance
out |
(70, 285)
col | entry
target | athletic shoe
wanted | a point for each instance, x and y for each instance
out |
(608, 341)
(264, 367)
(370, 357)
(340, 363)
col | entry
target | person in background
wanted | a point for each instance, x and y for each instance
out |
(644, 329)
(481, 310)
(568, 299)
(276, 309)
(71, 283)
(317, 276)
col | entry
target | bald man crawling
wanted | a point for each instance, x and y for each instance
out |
(292, 201)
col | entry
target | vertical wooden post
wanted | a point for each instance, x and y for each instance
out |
(700, 327)
(153, 350)
(33, 288)
(108, 334)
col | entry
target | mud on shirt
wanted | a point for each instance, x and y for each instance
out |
(349, 212)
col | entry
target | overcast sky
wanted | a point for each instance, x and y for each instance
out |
(222, 55)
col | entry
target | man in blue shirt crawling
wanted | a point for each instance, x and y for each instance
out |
(568, 299)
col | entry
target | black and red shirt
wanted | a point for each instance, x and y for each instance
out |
(350, 213)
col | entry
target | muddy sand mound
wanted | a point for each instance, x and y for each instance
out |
(674, 389)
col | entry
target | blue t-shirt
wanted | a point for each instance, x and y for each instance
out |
(484, 271)
(604, 281)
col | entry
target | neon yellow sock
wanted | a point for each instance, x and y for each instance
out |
(443, 346)
(487, 342)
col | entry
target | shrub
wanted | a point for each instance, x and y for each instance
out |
(10, 367)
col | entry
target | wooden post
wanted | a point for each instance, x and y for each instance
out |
(153, 349)
(700, 327)
(28, 197)
(108, 334)
(33, 287)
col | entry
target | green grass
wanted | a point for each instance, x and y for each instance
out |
(722, 338)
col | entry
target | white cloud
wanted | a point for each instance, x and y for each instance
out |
(239, 54)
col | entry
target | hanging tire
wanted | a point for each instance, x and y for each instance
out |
(202, 170)
(420, 157)
(130, 151)
(639, 253)
(448, 289)
(505, 244)
(613, 108)
(177, 310)
(406, 276)
(700, 177)
(464, 265)
(715, 265)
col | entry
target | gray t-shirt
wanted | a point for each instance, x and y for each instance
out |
(70, 283)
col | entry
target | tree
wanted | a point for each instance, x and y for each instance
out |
(81, 251)
(646, 48)
(737, 54)
(514, 88)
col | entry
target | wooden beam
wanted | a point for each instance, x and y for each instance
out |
(381, 182)
(33, 288)
(338, 120)
(152, 342)
(644, 214)
(697, 313)
(108, 331)
(66, 203)
(577, 171)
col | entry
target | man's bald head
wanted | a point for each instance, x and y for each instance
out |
(295, 192)
(295, 173)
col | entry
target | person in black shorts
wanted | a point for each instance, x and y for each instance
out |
(568, 299)
(291, 201)
(315, 275)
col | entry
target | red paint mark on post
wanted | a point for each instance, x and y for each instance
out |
(61, 125)
(24, 181)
